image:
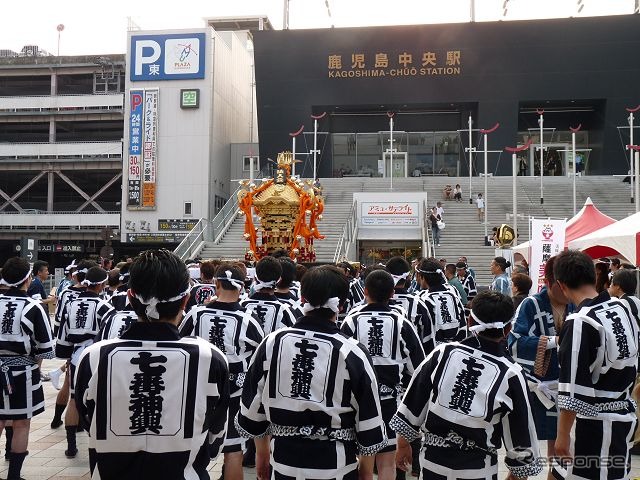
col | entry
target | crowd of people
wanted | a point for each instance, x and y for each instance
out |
(326, 372)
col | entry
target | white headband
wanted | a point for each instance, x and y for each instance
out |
(260, 285)
(16, 284)
(84, 270)
(152, 302)
(123, 276)
(73, 264)
(98, 282)
(236, 283)
(332, 304)
(398, 278)
(439, 270)
(481, 327)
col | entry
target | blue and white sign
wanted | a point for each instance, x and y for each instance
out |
(176, 56)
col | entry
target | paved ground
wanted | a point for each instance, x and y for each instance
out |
(46, 458)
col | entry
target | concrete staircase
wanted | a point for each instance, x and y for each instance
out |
(464, 234)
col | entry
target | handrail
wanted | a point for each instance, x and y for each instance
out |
(207, 231)
(225, 217)
(349, 234)
(426, 240)
(195, 237)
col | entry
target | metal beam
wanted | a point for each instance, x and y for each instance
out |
(82, 193)
(8, 199)
(99, 192)
(21, 191)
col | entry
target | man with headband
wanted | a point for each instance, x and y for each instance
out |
(314, 391)
(228, 326)
(25, 338)
(162, 409)
(416, 310)
(263, 304)
(81, 321)
(444, 305)
(396, 351)
(469, 399)
(598, 357)
(119, 298)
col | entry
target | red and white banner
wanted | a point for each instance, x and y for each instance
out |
(547, 240)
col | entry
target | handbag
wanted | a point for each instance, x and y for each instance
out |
(441, 225)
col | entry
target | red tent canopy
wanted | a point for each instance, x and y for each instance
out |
(587, 220)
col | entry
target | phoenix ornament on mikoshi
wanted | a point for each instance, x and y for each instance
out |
(289, 210)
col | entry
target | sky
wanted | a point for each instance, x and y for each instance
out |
(100, 27)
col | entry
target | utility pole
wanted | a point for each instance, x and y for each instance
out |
(285, 17)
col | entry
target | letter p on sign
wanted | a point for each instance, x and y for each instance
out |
(147, 51)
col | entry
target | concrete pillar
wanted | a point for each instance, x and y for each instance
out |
(54, 83)
(50, 192)
(52, 130)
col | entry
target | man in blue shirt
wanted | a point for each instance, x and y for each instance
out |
(36, 290)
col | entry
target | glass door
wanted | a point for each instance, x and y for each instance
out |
(399, 166)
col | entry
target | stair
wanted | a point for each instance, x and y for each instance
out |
(464, 234)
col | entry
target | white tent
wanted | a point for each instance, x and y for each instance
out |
(620, 238)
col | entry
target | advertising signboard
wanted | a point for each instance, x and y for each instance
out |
(176, 56)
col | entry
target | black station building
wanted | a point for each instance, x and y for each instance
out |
(580, 71)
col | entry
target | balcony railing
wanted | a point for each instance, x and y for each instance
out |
(60, 150)
(61, 103)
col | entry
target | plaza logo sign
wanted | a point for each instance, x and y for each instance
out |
(167, 57)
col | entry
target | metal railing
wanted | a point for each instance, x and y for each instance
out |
(209, 230)
(349, 235)
(192, 243)
(427, 250)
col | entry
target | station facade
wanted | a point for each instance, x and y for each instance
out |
(432, 78)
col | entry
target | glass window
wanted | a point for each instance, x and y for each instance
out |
(447, 153)
(369, 154)
(344, 154)
(420, 148)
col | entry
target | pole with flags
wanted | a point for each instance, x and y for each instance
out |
(315, 150)
(485, 133)
(573, 154)
(293, 149)
(514, 159)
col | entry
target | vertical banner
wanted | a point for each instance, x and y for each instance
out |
(136, 99)
(547, 240)
(150, 153)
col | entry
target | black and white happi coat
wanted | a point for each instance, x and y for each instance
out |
(68, 294)
(447, 313)
(469, 285)
(469, 399)
(81, 321)
(354, 298)
(156, 404)
(116, 324)
(315, 392)
(395, 349)
(237, 334)
(120, 298)
(25, 338)
(418, 314)
(598, 357)
(292, 302)
(272, 314)
(200, 294)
